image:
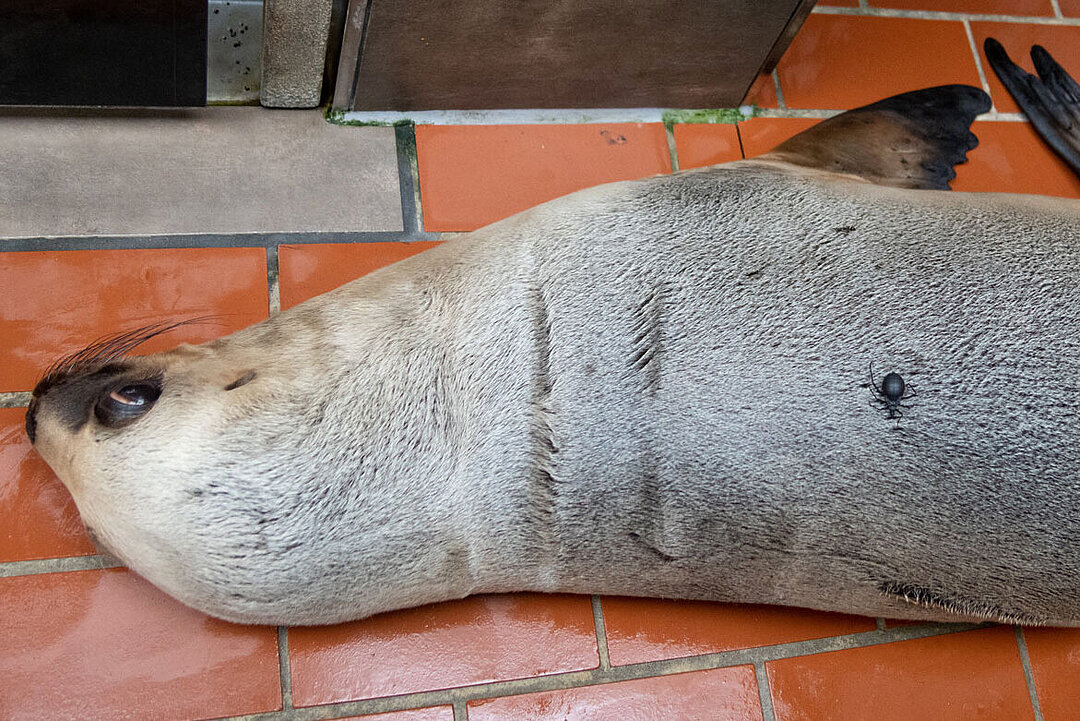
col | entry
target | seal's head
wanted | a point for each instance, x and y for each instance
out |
(133, 437)
(94, 413)
(95, 388)
(259, 477)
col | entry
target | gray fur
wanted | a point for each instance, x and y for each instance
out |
(652, 388)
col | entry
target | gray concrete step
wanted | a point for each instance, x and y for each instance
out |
(208, 170)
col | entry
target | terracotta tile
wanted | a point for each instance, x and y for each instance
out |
(994, 7)
(1062, 41)
(1012, 158)
(760, 135)
(1055, 666)
(723, 694)
(106, 644)
(700, 144)
(38, 519)
(840, 3)
(434, 713)
(1069, 8)
(55, 303)
(477, 639)
(762, 93)
(472, 175)
(305, 271)
(642, 629)
(843, 61)
(962, 676)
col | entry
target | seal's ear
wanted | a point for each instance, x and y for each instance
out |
(911, 140)
(1051, 101)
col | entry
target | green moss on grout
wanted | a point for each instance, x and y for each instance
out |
(718, 115)
(406, 143)
(338, 117)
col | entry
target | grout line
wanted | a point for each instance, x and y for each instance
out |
(1025, 661)
(764, 692)
(461, 712)
(203, 240)
(818, 114)
(738, 134)
(284, 671)
(779, 91)
(593, 677)
(938, 15)
(601, 633)
(502, 116)
(273, 289)
(1057, 9)
(1000, 117)
(880, 623)
(792, 113)
(412, 209)
(57, 565)
(673, 150)
(864, 4)
(978, 63)
(15, 399)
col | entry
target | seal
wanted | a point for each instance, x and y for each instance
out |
(656, 387)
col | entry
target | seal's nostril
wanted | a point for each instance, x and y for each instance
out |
(31, 421)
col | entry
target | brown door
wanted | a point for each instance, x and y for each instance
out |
(449, 54)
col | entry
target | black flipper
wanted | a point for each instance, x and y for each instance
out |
(1051, 101)
(911, 140)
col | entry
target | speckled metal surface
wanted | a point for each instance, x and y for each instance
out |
(234, 51)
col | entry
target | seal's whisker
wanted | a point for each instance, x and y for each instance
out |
(107, 349)
(105, 345)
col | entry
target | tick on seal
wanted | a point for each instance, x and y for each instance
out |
(888, 396)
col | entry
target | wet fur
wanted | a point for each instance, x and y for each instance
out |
(652, 388)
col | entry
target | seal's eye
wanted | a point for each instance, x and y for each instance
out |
(123, 405)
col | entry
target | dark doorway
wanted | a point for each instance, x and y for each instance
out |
(103, 52)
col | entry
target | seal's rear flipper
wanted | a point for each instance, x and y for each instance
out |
(911, 140)
(1051, 101)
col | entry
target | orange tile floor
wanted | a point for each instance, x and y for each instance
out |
(82, 639)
